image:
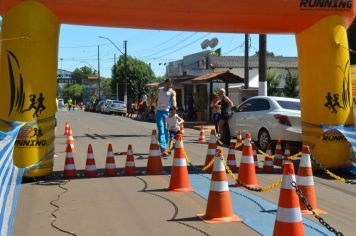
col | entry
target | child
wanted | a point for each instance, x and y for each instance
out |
(173, 124)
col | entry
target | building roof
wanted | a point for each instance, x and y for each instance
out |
(239, 62)
(226, 77)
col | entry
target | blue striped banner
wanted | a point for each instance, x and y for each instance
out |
(10, 180)
(350, 135)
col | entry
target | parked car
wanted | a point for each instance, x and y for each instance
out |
(118, 107)
(60, 103)
(104, 107)
(267, 119)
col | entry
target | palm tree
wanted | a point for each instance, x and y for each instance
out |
(291, 86)
(273, 80)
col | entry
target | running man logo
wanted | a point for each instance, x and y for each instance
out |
(325, 4)
(30, 137)
(17, 99)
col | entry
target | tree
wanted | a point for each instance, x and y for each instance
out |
(351, 34)
(73, 91)
(269, 54)
(138, 74)
(273, 80)
(291, 86)
(106, 88)
(83, 72)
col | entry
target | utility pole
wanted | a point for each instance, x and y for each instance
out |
(247, 80)
(125, 76)
(99, 71)
(262, 65)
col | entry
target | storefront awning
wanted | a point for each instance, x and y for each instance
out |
(218, 77)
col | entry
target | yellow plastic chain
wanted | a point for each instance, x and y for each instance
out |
(264, 189)
(335, 176)
(239, 145)
(186, 157)
(265, 154)
(295, 156)
(208, 165)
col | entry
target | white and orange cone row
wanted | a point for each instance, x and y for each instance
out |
(239, 139)
(69, 165)
(110, 166)
(202, 135)
(179, 181)
(154, 163)
(278, 156)
(130, 167)
(219, 208)
(70, 139)
(211, 150)
(231, 158)
(181, 128)
(90, 168)
(268, 163)
(247, 172)
(289, 219)
(305, 182)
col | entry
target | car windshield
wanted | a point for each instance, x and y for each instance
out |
(289, 105)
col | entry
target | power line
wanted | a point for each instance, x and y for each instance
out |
(183, 46)
(169, 47)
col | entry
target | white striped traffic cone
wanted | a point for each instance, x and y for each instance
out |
(239, 139)
(69, 165)
(130, 168)
(211, 150)
(231, 158)
(289, 219)
(305, 182)
(70, 140)
(268, 163)
(278, 156)
(154, 163)
(219, 208)
(257, 168)
(110, 166)
(90, 168)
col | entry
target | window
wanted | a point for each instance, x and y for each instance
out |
(258, 104)
(289, 105)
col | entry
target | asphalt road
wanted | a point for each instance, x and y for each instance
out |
(140, 205)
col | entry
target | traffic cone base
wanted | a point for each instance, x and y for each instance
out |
(296, 228)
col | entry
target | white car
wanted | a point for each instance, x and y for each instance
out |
(117, 107)
(268, 119)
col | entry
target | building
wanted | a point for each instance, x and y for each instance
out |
(185, 72)
(65, 77)
(90, 88)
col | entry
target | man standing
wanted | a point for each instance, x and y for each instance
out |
(165, 98)
(225, 106)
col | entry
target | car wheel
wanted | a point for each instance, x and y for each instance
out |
(263, 139)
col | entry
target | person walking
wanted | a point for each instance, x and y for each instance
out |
(226, 104)
(215, 109)
(166, 98)
(70, 103)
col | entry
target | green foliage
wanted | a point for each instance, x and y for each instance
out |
(138, 74)
(269, 54)
(106, 88)
(273, 80)
(83, 72)
(351, 34)
(291, 86)
(201, 101)
(74, 91)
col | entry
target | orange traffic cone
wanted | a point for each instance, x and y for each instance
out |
(305, 182)
(66, 129)
(231, 158)
(247, 172)
(179, 181)
(154, 163)
(70, 140)
(268, 164)
(238, 140)
(219, 208)
(202, 135)
(182, 129)
(90, 168)
(211, 150)
(278, 156)
(289, 219)
(110, 166)
(130, 168)
(255, 159)
(69, 166)
(286, 155)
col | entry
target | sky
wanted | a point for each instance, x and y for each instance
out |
(78, 46)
